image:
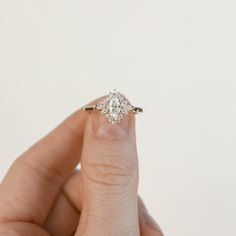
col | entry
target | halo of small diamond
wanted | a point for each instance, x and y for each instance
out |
(114, 107)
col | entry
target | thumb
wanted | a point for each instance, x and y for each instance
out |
(109, 178)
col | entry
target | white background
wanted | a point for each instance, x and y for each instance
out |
(175, 58)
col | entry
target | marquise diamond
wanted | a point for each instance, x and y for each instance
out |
(114, 107)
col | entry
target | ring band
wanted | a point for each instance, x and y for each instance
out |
(135, 110)
(114, 107)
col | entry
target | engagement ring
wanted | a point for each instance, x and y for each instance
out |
(114, 107)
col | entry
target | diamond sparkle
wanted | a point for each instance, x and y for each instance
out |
(114, 107)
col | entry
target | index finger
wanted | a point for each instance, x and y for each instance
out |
(34, 180)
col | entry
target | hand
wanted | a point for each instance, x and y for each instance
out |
(43, 194)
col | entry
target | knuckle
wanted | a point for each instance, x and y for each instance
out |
(51, 175)
(111, 168)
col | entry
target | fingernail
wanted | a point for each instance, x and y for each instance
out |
(104, 129)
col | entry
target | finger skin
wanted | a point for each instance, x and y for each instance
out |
(21, 229)
(64, 216)
(40, 172)
(72, 189)
(29, 190)
(109, 178)
(148, 226)
(33, 182)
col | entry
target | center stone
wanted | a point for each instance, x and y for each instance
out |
(114, 107)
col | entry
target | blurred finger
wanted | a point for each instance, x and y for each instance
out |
(35, 179)
(148, 226)
(64, 216)
(73, 190)
(21, 228)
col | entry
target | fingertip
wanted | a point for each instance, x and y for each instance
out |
(101, 127)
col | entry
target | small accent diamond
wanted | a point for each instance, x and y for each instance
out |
(114, 107)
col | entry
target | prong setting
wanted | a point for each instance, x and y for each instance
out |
(114, 107)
